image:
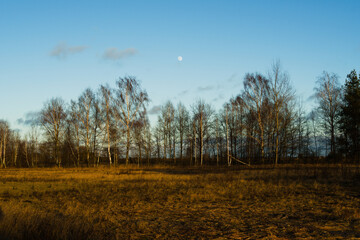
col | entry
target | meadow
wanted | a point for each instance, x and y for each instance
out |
(158, 202)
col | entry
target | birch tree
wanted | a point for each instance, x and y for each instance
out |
(85, 103)
(202, 113)
(16, 140)
(182, 119)
(254, 97)
(53, 120)
(130, 106)
(281, 94)
(4, 136)
(106, 109)
(166, 121)
(74, 122)
(96, 122)
(328, 95)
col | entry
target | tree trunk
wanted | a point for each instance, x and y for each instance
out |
(1, 152)
(227, 140)
(26, 154)
(108, 141)
(201, 140)
(277, 136)
(165, 140)
(195, 160)
(4, 156)
(181, 148)
(217, 142)
(174, 142)
(127, 144)
(16, 149)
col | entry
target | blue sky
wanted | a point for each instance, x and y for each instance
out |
(50, 49)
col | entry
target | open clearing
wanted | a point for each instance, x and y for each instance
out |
(291, 202)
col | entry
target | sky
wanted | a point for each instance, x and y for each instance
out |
(59, 48)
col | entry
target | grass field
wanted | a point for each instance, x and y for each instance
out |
(302, 202)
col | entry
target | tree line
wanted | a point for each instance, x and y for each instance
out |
(265, 123)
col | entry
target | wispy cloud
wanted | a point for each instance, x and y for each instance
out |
(155, 110)
(183, 93)
(31, 118)
(232, 78)
(206, 88)
(219, 97)
(116, 54)
(62, 50)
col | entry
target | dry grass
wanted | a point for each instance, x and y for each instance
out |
(180, 203)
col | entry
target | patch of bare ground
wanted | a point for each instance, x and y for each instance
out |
(290, 202)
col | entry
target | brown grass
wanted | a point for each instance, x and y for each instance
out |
(181, 203)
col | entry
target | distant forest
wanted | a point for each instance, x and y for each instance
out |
(264, 124)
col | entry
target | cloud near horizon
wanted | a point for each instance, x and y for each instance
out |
(219, 97)
(206, 88)
(62, 50)
(116, 54)
(183, 93)
(232, 78)
(31, 118)
(155, 110)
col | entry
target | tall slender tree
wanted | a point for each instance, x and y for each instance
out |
(254, 98)
(182, 119)
(85, 103)
(4, 136)
(74, 125)
(281, 94)
(130, 106)
(106, 110)
(53, 119)
(202, 114)
(328, 95)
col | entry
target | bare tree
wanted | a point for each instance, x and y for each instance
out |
(254, 98)
(227, 135)
(74, 121)
(148, 140)
(169, 117)
(130, 103)
(140, 131)
(162, 134)
(85, 103)
(313, 118)
(4, 135)
(167, 120)
(16, 147)
(328, 94)
(96, 119)
(34, 141)
(69, 150)
(106, 109)
(158, 136)
(218, 137)
(26, 150)
(202, 114)
(52, 119)
(281, 94)
(182, 118)
(194, 141)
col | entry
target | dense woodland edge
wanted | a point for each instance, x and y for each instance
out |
(264, 124)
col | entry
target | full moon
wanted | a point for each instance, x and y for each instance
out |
(179, 58)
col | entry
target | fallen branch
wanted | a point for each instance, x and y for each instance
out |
(248, 164)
